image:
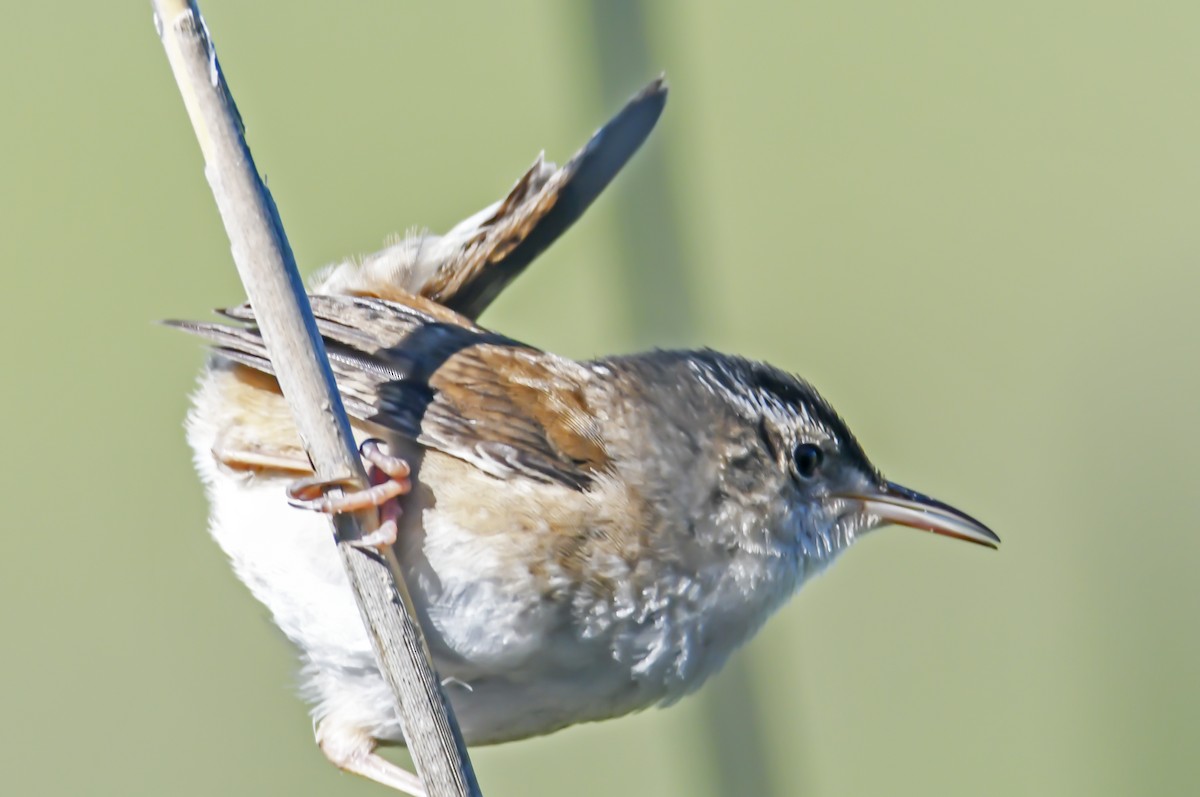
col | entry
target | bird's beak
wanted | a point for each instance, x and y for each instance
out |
(902, 506)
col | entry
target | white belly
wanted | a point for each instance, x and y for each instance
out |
(513, 667)
(523, 651)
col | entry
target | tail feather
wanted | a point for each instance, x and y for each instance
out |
(468, 266)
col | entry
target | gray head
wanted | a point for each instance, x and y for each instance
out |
(785, 476)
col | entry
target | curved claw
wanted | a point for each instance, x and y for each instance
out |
(388, 476)
(312, 493)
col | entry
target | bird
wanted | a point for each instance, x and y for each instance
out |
(581, 539)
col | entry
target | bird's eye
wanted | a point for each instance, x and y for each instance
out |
(807, 458)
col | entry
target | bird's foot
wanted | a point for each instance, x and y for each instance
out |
(352, 750)
(388, 477)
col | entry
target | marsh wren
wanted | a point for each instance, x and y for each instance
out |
(581, 539)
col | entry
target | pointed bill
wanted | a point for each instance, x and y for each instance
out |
(893, 503)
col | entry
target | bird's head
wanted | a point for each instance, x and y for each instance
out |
(796, 467)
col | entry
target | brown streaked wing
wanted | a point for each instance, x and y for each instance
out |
(509, 410)
(436, 378)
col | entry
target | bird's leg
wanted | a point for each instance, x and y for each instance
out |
(352, 750)
(389, 480)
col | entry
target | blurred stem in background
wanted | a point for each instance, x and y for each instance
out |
(650, 267)
(656, 288)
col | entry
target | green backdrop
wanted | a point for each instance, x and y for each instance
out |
(974, 226)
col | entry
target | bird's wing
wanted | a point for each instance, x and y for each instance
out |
(438, 379)
(466, 268)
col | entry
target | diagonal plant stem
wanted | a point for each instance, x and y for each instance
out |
(268, 271)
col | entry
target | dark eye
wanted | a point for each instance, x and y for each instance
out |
(807, 459)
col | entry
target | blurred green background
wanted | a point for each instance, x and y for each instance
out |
(974, 226)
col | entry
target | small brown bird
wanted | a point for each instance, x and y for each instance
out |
(581, 539)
